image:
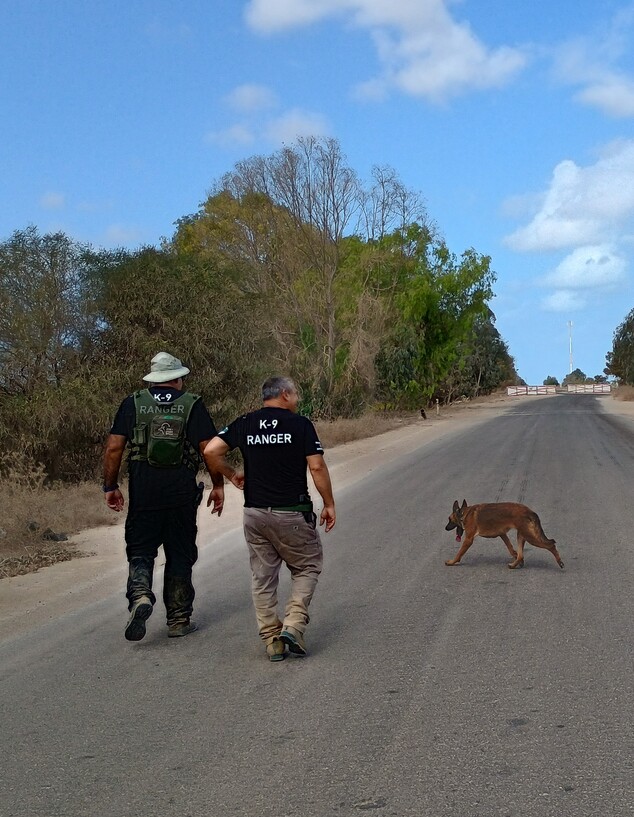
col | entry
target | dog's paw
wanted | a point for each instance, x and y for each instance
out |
(515, 564)
(451, 562)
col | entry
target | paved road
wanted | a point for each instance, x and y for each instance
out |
(429, 691)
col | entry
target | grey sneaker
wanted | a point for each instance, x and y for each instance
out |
(294, 640)
(181, 629)
(276, 649)
(139, 614)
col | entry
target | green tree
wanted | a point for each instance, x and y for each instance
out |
(439, 308)
(48, 315)
(155, 300)
(51, 398)
(299, 226)
(620, 360)
(551, 381)
(488, 364)
(575, 377)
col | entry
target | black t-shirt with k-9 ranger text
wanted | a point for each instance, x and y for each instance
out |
(274, 443)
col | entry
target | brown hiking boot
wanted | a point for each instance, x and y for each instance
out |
(294, 640)
(181, 629)
(139, 614)
(275, 649)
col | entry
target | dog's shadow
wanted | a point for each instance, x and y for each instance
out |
(490, 560)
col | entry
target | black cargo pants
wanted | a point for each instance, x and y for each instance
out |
(175, 529)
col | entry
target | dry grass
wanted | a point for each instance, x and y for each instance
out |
(337, 432)
(29, 508)
(625, 393)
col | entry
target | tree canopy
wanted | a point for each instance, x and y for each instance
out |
(291, 265)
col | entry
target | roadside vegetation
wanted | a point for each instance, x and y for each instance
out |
(620, 360)
(37, 515)
(625, 393)
(291, 265)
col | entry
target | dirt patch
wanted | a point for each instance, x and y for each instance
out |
(624, 393)
(34, 559)
(619, 402)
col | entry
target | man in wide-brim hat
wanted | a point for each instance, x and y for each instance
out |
(166, 429)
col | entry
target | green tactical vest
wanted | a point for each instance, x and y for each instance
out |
(160, 430)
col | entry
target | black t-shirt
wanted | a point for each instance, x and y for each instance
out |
(150, 487)
(274, 443)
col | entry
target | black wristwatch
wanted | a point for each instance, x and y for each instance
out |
(107, 488)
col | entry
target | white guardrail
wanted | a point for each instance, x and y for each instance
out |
(571, 388)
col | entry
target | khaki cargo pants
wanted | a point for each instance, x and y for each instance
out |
(274, 537)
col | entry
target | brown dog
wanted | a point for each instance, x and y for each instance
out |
(496, 519)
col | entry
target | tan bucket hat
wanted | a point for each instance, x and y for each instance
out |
(164, 368)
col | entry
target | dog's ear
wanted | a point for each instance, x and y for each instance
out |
(455, 505)
(464, 504)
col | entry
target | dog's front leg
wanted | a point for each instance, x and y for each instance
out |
(508, 544)
(465, 547)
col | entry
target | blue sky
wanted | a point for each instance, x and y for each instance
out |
(513, 120)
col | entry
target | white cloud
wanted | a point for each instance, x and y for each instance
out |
(52, 201)
(252, 97)
(286, 128)
(611, 93)
(592, 64)
(594, 267)
(423, 51)
(231, 136)
(588, 211)
(563, 301)
(277, 15)
(253, 100)
(583, 205)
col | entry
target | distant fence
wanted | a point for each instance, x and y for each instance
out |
(517, 390)
(589, 388)
(571, 388)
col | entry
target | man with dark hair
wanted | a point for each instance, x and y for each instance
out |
(167, 430)
(279, 524)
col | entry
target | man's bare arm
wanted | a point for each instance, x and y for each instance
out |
(216, 477)
(113, 454)
(214, 455)
(217, 494)
(321, 477)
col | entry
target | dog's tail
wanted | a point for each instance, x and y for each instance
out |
(537, 526)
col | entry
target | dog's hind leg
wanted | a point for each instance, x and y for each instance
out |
(547, 544)
(555, 553)
(518, 561)
(465, 547)
(538, 538)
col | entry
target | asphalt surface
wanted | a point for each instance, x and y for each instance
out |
(429, 690)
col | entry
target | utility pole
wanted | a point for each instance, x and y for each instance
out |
(570, 343)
